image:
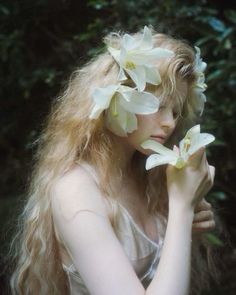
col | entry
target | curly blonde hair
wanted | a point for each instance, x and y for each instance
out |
(68, 137)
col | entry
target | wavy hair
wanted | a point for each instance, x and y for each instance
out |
(68, 137)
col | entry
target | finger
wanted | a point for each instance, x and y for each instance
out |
(202, 205)
(212, 172)
(207, 181)
(203, 226)
(203, 216)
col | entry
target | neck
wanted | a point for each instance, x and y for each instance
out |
(124, 154)
(125, 162)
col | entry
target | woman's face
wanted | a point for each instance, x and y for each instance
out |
(158, 126)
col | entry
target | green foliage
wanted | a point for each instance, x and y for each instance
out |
(214, 239)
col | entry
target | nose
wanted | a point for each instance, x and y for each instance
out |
(167, 119)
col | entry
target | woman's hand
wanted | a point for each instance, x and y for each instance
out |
(203, 218)
(187, 186)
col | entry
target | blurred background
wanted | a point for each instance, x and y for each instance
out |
(43, 41)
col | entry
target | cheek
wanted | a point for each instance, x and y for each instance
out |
(146, 122)
(141, 134)
(145, 126)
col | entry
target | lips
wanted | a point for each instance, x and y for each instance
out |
(159, 138)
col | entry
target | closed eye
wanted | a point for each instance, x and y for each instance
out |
(176, 114)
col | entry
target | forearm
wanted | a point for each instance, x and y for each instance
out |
(173, 273)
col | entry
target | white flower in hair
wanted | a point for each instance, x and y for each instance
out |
(177, 157)
(200, 85)
(136, 57)
(121, 104)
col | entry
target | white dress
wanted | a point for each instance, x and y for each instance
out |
(142, 252)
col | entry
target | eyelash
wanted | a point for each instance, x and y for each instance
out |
(176, 115)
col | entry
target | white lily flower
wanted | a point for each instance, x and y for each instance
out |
(121, 104)
(200, 66)
(136, 57)
(102, 98)
(177, 157)
(200, 85)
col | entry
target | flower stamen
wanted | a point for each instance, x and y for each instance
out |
(187, 144)
(130, 65)
(180, 163)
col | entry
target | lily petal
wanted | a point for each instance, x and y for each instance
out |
(132, 122)
(186, 142)
(159, 52)
(203, 97)
(102, 98)
(123, 57)
(96, 111)
(193, 131)
(121, 75)
(114, 127)
(157, 160)
(200, 65)
(146, 42)
(192, 141)
(138, 75)
(199, 141)
(158, 148)
(199, 102)
(118, 120)
(140, 102)
(126, 92)
(115, 53)
(152, 76)
(128, 42)
(141, 57)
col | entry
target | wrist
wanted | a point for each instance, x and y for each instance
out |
(181, 208)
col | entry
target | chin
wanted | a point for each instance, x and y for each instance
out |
(144, 152)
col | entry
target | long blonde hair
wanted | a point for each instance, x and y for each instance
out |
(69, 136)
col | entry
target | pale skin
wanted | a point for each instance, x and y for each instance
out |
(88, 236)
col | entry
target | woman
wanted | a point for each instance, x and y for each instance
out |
(96, 222)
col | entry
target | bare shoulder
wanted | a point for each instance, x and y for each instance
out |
(90, 239)
(76, 191)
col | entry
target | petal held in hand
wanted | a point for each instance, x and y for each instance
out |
(177, 157)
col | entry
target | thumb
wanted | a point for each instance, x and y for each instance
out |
(196, 158)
